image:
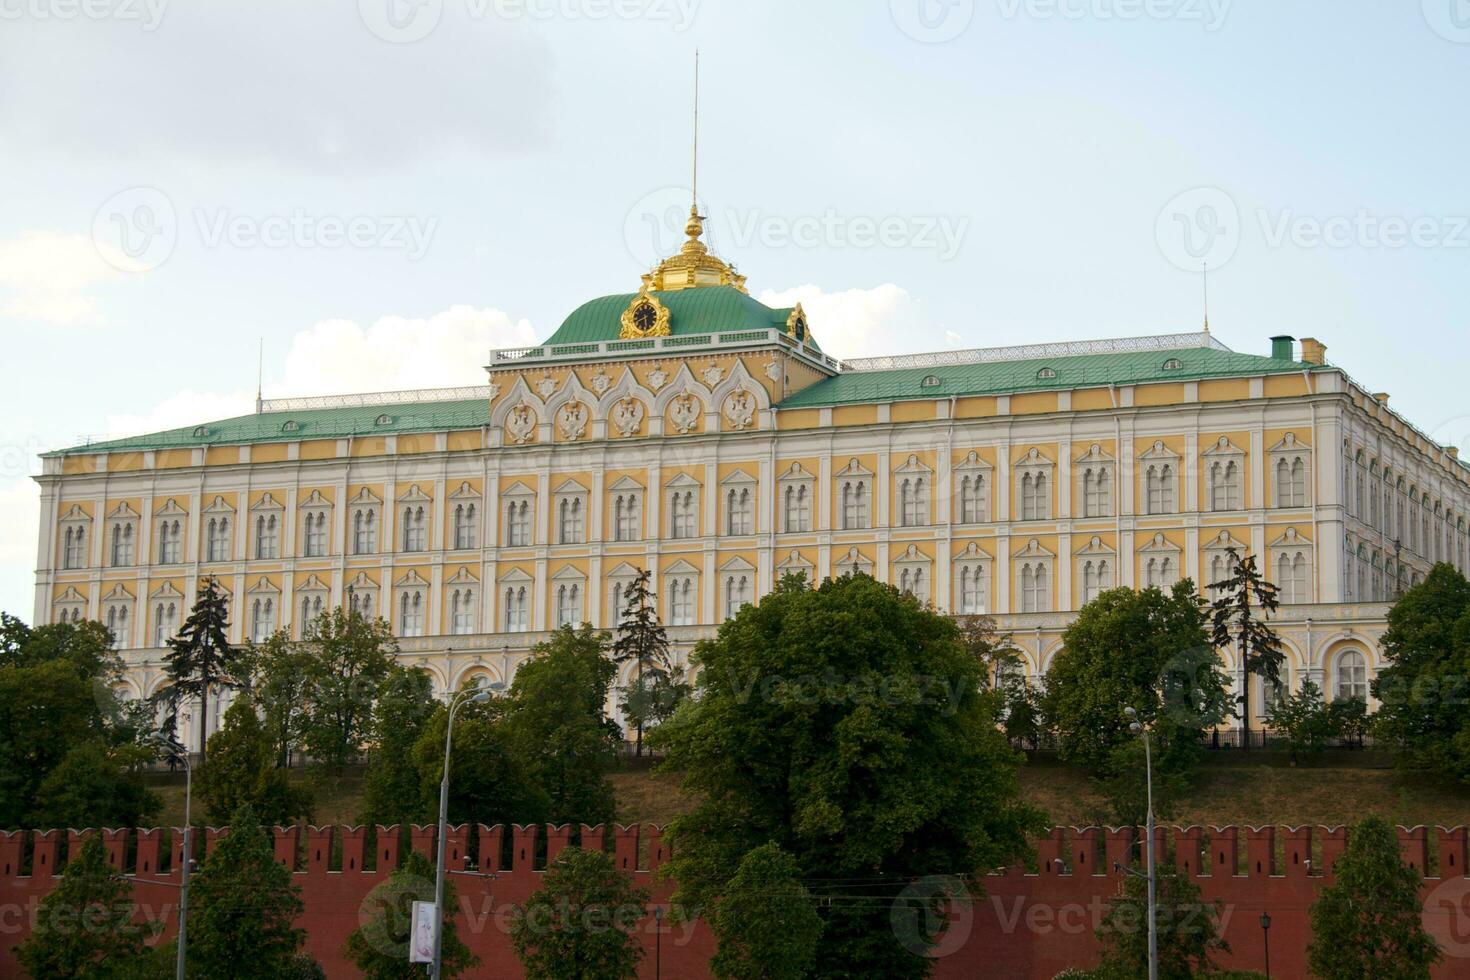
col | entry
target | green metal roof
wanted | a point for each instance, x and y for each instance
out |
(1070, 371)
(703, 310)
(321, 423)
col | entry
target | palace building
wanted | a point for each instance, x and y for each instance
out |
(691, 430)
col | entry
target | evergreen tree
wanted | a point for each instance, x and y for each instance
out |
(766, 923)
(848, 725)
(351, 658)
(85, 928)
(242, 770)
(641, 640)
(200, 659)
(1369, 922)
(1234, 623)
(242, 904)
(379, 945)
(404, 706)
(1188, 930)
(1304, 720)
(581, 924)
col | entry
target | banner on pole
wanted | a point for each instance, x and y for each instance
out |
(421, 938)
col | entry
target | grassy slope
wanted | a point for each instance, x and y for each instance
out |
(1255, 789)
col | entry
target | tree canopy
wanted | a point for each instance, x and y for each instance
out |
(581, 924)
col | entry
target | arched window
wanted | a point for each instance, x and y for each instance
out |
(626, 517)
(854, 505)
(462, 612)
(415, 528)
(1097, 577)
(972, 499)
(1035, 497)
(973, 590)
(568, 604)
(798, 508)
(74, 555)
(681, 602)
(1159, 488)
(170, 542)
(515, 609)
(464, 526)
(267, 536)
(365, 532)
(739, 518)
(1035, 588)
(1352, 676)
(311, 611)
(262, 619)
(411, 613)
(518, 523)
(1096, 492)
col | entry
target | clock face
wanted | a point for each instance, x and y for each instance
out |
(644, 317)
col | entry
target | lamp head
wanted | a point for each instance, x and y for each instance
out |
(1135, 728)
(1265, 920)
(1130, 712)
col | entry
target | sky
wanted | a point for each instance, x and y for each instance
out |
(380, 191)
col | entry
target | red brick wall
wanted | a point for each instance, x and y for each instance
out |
(1026, 926)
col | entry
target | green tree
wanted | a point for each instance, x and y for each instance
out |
(379, 946)
(1234, 622)
(200, 660)
(1147, 650)
(404, 705)
(555, 725)
(581, 924)
(1304, 720)
(1188, 930)
(849, 726)
(351, 656)
(766, 923)
(1369, 922)
(491, 785)
(242, 770)
(280, 673)
(1349, 720)
(45, 709)
(95, 785)
(85, 927)
(1423, 691)
(242, 904)
(641, 640)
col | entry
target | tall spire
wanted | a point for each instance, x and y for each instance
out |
(1206, 277)
(694, 181)
(260, 378)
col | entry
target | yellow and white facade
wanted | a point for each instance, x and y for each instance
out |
(690, 430)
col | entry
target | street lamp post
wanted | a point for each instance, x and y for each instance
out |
(1137, 727)
(177, 749)
(1266, 938)
(475, 696)
(658, 942)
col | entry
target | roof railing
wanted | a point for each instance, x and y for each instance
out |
(652, 346)
(1029, 352)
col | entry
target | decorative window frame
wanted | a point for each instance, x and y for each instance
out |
(1035, 464)
(1224, 452)
(973, 468)
(852, 563)
(680, 485)
(319, 507)
(1218, 547)
(920, 478)
(464, 495)
(1161, 550)
(128, 524)
(162, 597)
(466, 586)
(672, 578)
(163, 517)
(617, 580)
(568, 493)
(1291, 451)
(518, 580)
(1100, 558)
(855, 477)
(623, 487)
(73, 520)
(1096, 459)
(411, 590)
(1036, 557)
(973, 562)
(737, 586)
(793, 481)
(263, 510)
(414, 499)
(514, 495)
(119, 604)
(913, 573)
(1291, 545)
(1163, 458)
(365, 596)
(314, 598)
(370, 506)
(739, 481)
(264, 595)
(218, 509)
(69, 607)
(795, 563)
(570, 578)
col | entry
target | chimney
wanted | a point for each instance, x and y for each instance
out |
(1281, 348)
(1454, 451)
(1381, 397)
(1313, 351)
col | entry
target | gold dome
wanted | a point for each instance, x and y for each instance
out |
(694, 266)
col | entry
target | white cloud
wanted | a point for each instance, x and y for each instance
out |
(20, 502)
(865, 322)
(43, 276)
(447, 349)
(187, 407)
